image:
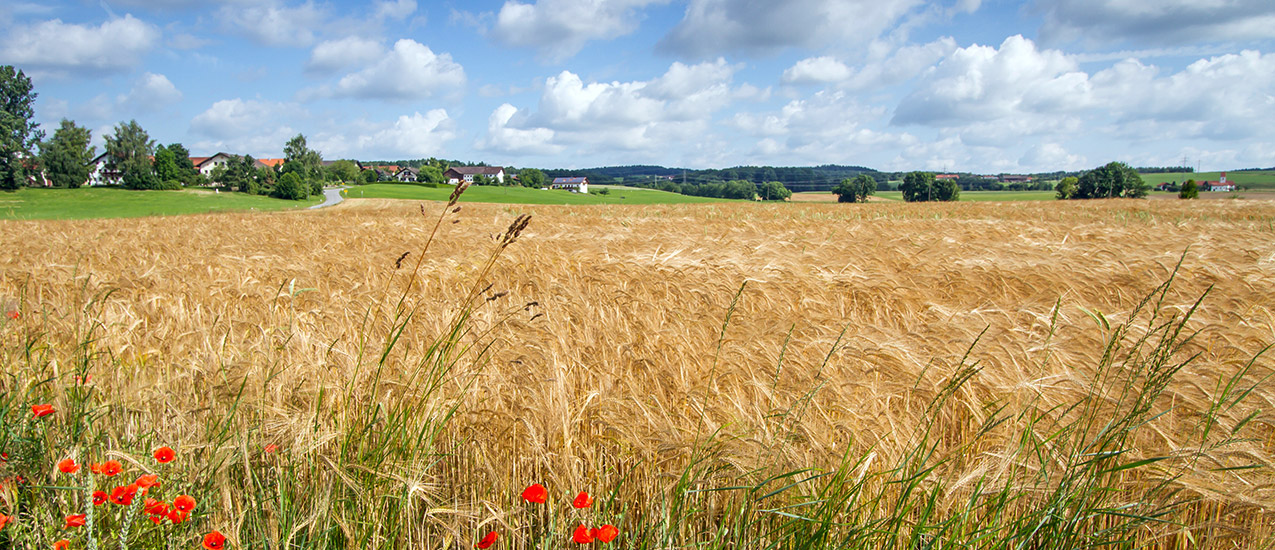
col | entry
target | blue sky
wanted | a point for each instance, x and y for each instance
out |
(972, 85)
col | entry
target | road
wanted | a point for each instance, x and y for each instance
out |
(330, 197)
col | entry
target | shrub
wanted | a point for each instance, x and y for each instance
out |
(290, 187)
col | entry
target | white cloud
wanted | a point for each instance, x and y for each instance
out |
(1161, 21)
(671, 111)
(411, 71)
(986, 84)
(502, 138)
(235, 119)
(1047, 156)
(415, 136)
(560, 28)
(816, 70)
(338, 54)
(272, 24)
(825, 127)
(55, 46)
(151, 92)
(395, 9)
(715, 27)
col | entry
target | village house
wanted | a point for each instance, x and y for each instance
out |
(574, 185)
(456, 174)
(407, 174)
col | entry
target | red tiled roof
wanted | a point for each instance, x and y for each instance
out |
(271, 163)
(198, 160)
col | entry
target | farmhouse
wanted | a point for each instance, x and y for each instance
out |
(407, 174)
(1015, 178)
(205, 165)
(455, 174)
(574, 185)
(99, 174)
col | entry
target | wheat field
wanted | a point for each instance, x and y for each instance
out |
(620, 349)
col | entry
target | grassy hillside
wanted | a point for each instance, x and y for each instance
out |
(522, 195)
(97, 202)
(1255, 180)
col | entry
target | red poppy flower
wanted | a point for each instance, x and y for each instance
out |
(582, 500)
(62, 545)
(41, 410)
(582, 535)
(99, 498)
(123, 495)
(75, 520)
(607, 533)
(4, 457)
(81, 380)
(176, 516)
(214, 541)
(271, 448)
(147, 481)
(68, 466)
(535, 493)
(14, 314)
(157, 519)
(185, 503)
(164, 455)
(5, 520)
(155, 507)
(488, 540)
(110, 468)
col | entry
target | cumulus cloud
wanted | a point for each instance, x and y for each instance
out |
(272, 24)
(60, 47)
(560, 28)
(413, 136)
(714, 27)
(636, 116)
(1162, 21)
(229, 120)
(511, 140)
(824, 127)
(410, 71)
(151, 92)
(333, 55)
(816, 70)
(1051, 156)
(982, 83)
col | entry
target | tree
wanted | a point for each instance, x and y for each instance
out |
(856, 189)
(1115, 179)
(531, 177)
(918, 187)
(370, 176)
(18, 135)
(739, 189)
(1066, 188)
(773, 191)
(430, 174)
(290, 187)
(947, 190)
(1190, 190)
(129, 152)
(308, 160)
(66, 156)
(344, 171)
(186, 172)
(165, 165)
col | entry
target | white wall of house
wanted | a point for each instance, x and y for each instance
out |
(216, 160)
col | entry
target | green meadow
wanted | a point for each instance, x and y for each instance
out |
(521, 195)
(33, 203)
(1263, 179)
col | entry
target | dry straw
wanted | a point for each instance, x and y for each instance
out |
(593, 351)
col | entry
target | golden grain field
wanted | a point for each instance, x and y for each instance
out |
(608, 362)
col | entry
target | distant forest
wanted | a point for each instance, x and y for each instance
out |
(794, 178)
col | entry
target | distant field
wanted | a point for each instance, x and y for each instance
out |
(61, 204)
(1256, 180)
(521, 195)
